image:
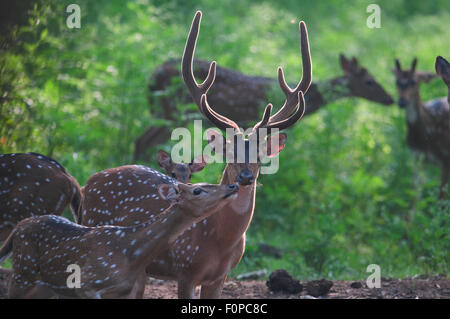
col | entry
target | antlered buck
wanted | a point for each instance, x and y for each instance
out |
(205, 253)
(33, 184)
(111, 259)
(428, 122)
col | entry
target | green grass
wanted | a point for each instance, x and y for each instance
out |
(344, 196)
(7, 264)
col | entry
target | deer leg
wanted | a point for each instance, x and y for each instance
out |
(444, 180)
(153, 136)
(186, 289)
(213, 291)
(39, 292)
(419, 172)
(16, 291)
(139, 287)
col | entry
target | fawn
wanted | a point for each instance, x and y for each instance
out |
(428, 122)
(180, 171)
(33, 184)
(112, 259)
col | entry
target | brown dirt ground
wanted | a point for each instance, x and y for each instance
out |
(437, 287)
(428, 288)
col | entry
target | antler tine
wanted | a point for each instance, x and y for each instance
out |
(196, 90)
(283, 124)
(187, 60)
(292, 94)
(214, 118)
(265, 118)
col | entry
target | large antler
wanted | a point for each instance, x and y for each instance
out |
(196, 90)
(282, 119)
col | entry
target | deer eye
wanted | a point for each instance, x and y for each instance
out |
(174, 175)
(369, 82)
(197, 191)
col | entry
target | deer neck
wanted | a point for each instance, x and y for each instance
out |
(324, 92)
(144, 241)
(414, 110)
(232, 221)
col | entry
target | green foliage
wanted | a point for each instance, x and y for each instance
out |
(348, 193)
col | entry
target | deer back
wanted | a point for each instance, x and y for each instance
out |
(126, 195)
(33, 184)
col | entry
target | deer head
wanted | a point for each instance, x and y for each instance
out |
(408, 81)
(196, 199)
(361, 83)
(180, 171)
(292, 110)
(443, 70)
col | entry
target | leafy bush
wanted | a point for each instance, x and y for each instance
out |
(348, 193)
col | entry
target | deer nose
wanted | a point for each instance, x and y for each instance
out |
(402, 102)
(245, 177)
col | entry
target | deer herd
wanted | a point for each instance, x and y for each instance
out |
(133, 221)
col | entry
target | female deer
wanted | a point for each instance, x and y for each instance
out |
(428, 122)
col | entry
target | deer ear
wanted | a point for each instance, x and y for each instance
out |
(344, 63)
(442, 68)
(354, 63)
(423, 76)
(275, 143)
(164, 160)
(168, 192)
(348, 66)
(216, 141)
(398, 68)
(198, 163)
(413, 65)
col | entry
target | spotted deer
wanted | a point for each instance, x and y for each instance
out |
(111, 259)
(204, 253)
(180, 171)
(33, 184)
(428, 122)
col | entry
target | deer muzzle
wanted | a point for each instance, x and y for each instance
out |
(245, 177)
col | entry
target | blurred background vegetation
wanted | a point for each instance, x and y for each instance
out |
(349, 192)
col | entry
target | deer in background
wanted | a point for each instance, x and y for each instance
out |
(239, 96)
(428, 122)
(112, 259)
(204, 253)
(33, 184)
(180, 171)
(443, 70)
